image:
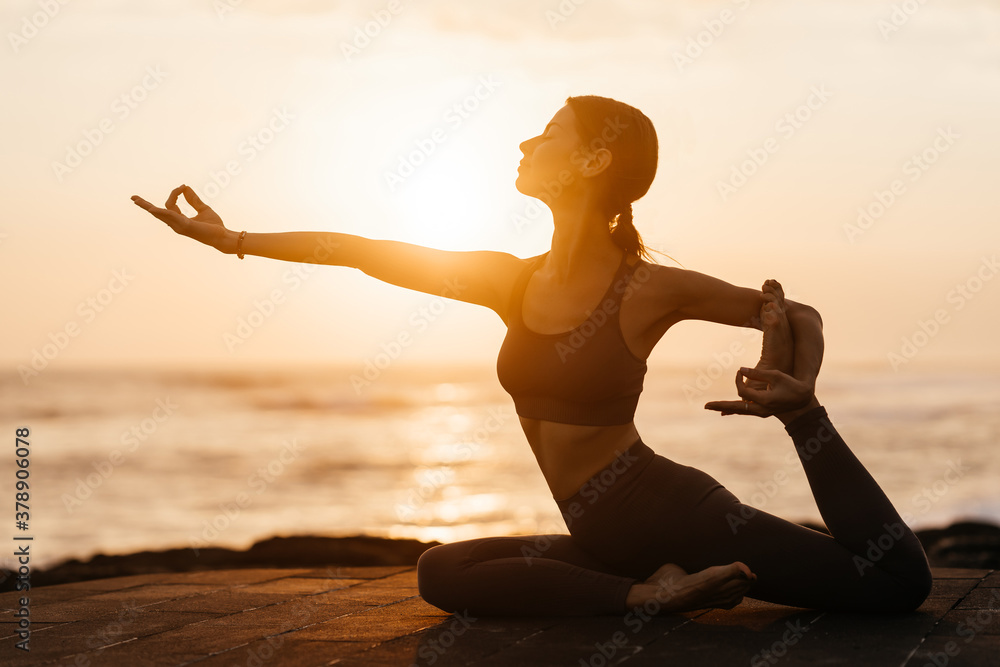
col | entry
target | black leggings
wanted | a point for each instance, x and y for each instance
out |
(643, 511)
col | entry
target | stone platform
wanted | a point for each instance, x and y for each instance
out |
(374, 616)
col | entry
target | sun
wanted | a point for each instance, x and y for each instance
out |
(453, 200)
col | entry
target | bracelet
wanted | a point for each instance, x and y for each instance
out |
(239, 244)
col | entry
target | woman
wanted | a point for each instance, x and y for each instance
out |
(582, 318)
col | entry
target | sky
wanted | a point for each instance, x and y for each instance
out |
(846, 148)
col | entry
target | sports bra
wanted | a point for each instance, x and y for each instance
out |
(585, 376)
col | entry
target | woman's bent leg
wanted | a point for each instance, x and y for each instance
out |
(540, 575)
(658, 512)
(856, 511)
(871, 561)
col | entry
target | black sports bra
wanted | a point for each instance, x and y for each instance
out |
(584, 376)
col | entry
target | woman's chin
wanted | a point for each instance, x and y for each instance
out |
(526, 186)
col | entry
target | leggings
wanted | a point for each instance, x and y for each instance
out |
(642, 511)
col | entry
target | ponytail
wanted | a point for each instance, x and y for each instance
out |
(626, 236)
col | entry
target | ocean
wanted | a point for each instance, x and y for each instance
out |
(122, 461)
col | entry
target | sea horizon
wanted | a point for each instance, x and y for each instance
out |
(139, 459)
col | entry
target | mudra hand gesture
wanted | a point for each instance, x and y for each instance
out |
(769, 389)
(206, 227)
(765, 392)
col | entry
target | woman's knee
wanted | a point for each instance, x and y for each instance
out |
(914, 574)
(917, 588)
(436, 577)
(904, 591)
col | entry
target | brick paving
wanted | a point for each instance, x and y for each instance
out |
(374, 616)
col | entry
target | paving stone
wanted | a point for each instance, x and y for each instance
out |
(8, 631)
(680, 648)
(375, 624)
(952, 588)
(155, 592)
(285, 651)
(400, 580)
(442, 645)
(393, 653)
(983, 651)
(842, 626)
(226, 601)
(66, 640)
(374, 596)
(981, 598)
(117, 583)
(288, 615)
(10, 601)
(959, 573)
(937, 606)
(750, 615)
(291, 586)
(851, 638)
(77, 609)
(191, 641)
(236, 577)
(140, 654)
(100, 604)
(375, 572)
(374, 616)
(960, 624)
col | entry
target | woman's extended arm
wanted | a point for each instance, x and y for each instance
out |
(481, 277)
(693, 295)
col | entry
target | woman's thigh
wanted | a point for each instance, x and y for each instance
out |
(677, 514)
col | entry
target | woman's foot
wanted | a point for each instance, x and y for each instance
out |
(778, 349)
(674, 590)
(777, 357)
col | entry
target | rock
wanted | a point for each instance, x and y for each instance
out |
(964, 544)
(288, 552)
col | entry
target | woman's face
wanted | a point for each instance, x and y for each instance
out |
(549, 165)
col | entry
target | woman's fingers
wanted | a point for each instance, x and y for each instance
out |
(759, 384)
(172, 199)
(192, 198)
(152, 208)
(142, 203)
(172, 219)
(738, 408)
(764, 393)
(768, 375)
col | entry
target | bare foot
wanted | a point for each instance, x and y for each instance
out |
(674, 590)
(777, 355)
(778, 350)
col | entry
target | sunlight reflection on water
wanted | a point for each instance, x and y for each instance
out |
(440, 459)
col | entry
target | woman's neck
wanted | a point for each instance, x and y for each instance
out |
(580, 242)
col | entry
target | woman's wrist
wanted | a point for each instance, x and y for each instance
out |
(788, 417)
(229, 242)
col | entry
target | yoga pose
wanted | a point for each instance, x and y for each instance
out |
(581, 320)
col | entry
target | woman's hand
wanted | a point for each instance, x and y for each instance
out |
(206, 227)
(772, 393)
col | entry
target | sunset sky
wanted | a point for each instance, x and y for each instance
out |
(778, 121)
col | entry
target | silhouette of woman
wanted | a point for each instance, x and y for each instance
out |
(581, 320)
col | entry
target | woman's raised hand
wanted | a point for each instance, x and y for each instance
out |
(765, 392)
(770, 388)
(206, 227)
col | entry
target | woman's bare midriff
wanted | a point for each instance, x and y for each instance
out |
(570, 454)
